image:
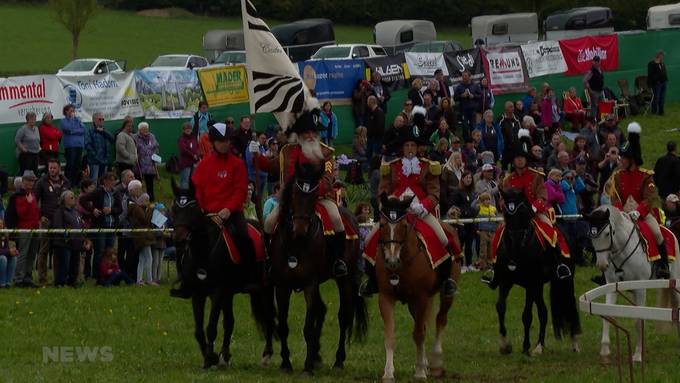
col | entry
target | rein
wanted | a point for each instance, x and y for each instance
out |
(613, 252)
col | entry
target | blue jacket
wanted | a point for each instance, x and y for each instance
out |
(500, 143)
(74, 132)
(97, 146)
(251, 169)
(334, 129)
(569, 206)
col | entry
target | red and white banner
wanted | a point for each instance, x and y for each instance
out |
(579, 53)
(506, 70)
(37, 94)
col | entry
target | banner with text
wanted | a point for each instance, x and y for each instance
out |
(425, 64)
(543, 58)
(391, 68)
(224, 85)
(168, 93)
(332, 79)
(506, 70)
(469, 59)
(37, 94)
(579, 53)
(113, 94)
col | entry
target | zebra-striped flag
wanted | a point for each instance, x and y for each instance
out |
(274, 82)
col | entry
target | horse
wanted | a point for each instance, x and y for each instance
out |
(207, 269)
(621, 256)
(404, 272)
(300, 233)
(522, 260)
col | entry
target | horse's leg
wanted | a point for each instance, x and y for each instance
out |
(386, 304)
(528, 317)
(283, 304)
(319, 319)
(210, 358)
(268, 296)
(503, 291)
(640, 298)
(198, 309)
(345, 319)
(228, 325)
(610, 299)
(419, 309)
(542, 319)
(310, 329)
(436, 359)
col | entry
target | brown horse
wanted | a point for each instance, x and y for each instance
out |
(404, 273)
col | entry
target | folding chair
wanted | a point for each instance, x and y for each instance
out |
(589, 109)
(624, 101)
(644, 95)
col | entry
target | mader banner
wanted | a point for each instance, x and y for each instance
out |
(37, 94)
(391, 68)
(506, 70)
(579, 53)
(469, 59)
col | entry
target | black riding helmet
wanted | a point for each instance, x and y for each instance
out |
(522, 146)
(631, 149)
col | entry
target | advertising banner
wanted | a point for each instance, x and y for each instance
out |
(168, 93)
(391, 68)
(543, 58)
(469, 59)
(506, 70)
(425, 64)
(332, 79)
(579, 53)
(37, 94)
(113, 94)
(224, 85)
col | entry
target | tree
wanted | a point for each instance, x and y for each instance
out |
(74, 15)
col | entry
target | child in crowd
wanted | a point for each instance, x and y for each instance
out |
(139, 214)
(109, 271)
(158, 248)
(85, 209)
(8, 259)
(486, 229)
(272, 201)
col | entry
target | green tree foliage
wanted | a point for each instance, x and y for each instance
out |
(74, 16)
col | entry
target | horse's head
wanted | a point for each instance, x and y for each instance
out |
(601, 232)
(394, 229)
(185, 211)
(303, 195)
(518, 211)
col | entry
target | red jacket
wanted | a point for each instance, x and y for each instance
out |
(188, 150)
(28, 213)
(531, 182)
(50, 137)
(221, 181)
(107, 268)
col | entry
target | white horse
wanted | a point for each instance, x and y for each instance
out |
(621, 256)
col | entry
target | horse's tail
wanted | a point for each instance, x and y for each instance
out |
(263, 310)
(360, 316)
(565, 317)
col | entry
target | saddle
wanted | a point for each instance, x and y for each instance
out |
(649, 242)
(235, 248)
(547, 236)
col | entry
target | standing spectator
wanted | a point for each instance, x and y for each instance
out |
(244, 135)
(407, 112)
(8, 259)
(657, 78)
(537, 161)
(607, 166)
(594, 84)
(550, 112)
(452, 173)
(537, 133)
(23, 213)
(330, 122)
(448, 113)
(573, 110)
(611, 126)
(486, 100)
(48, 191)
(414, 94)
(487, 184)
(580, 148)
(188, 155)
(589, 131)
(50, 137)
(261, 140)
(139, 214)
(519, 110)
(389, 149)
(560, 159)
(470, 158)
(272, 201)
(444, 85)
(535, 113)
(360, 102)
(440, 152)
(467, 96)
(572, 185)
(147, 147)
(272, 152)
(374, 183)
(158, 248)
(360, 147)
(492, 138)
(97, 141)
(126, 149)
(430, 113)
(110, 273)
(433, 90)
(554, 147)
(487, 209)
(587, 194)
(529, 99)
(67, 248)
(380, 90)
(375, 125)
(553, 189)
(27, 140)
(464, 206)
(127, 254)
(74, 142)
(667, 171)
(442, 132)
(199, 121)
(105, 206)
(510, 127)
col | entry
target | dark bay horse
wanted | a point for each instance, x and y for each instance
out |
(207, 269)
(300, 233)
(404, 273)
(523, 261)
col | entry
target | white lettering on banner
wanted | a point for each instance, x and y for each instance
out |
(390, 70)
(586, 55)
(543, 58)
(466, 60)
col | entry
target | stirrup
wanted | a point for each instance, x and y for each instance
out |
(487, 277)
(449, 287)
(563, 271)
(512, 266)
(367, 289)
(660, 270)
(339, 268)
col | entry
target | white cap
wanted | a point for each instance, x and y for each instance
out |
(487, 167)
(222, 128)
(672, 198)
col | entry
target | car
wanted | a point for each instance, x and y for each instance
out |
(437, 46)
(230, 58)
(179, 61)
(91, 66)
(348, 51)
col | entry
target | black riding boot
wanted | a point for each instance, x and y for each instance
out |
(449, 285)
(338, 249)
(181, 291)
(660, 266)
(370, 286)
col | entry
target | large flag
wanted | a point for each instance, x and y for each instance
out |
(274, 82)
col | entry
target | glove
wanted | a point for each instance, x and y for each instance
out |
(418, 210)
(254, 147)
(634, 215)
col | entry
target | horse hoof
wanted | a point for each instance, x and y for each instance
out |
(506, 349)
(420, 376)
(605, 360)
(437, 372)
(576, 348)
(210, 360)
(387, 380)
(537, 351)
(637, 357)
(338, 365)
(306, 374)
(526, 353)
(223, 361)
(266, 358)
(286, 368)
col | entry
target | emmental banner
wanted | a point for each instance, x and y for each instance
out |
(224, 85)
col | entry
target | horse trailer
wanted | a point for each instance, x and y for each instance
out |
(301, 39)
(578, 22)
(663, 17)
(400, 35)
(492, 30)
(217, 41)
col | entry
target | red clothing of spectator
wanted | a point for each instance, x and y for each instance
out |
(204, 146)
(221, 181)
(107, 268)
(188, 150)
(50, 136)
(28, 213)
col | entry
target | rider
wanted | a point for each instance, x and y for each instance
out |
(305, 147)
(634, 191)
(410, 176)
(219, 172)
(530, 181)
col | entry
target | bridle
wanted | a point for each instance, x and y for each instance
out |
(615, 252)
(307, 188)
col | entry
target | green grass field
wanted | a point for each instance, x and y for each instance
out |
(36, 43)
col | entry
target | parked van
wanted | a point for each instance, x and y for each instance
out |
(578, 22)
(492, 30)
(302, 38)
(217, 41)
(663, 17)
(400, 35)
(348, 52)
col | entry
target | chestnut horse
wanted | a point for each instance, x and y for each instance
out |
(404, 273)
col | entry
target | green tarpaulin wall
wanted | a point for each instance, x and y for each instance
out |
(635, 51)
